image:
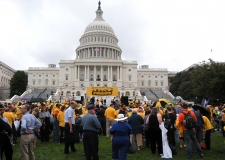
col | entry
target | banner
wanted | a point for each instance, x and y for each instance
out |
(102, 91)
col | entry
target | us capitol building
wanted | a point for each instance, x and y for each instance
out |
(98, 63)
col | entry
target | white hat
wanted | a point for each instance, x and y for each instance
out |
(121, 117)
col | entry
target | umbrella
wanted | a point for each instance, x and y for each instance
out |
(37, 100)
(161, 103)
(203, 110)
(24, 99)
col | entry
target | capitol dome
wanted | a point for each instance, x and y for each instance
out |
(98, 40)
(99, 25)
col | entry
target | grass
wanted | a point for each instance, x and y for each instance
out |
(54, 151)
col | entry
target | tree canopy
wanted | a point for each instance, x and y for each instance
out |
(18, 83)
(206, 80)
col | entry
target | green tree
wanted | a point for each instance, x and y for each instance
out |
(209, 81)
(203, 81)
(181, 85)
(18, 83)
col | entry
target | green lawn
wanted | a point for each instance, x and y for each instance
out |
(54, 151)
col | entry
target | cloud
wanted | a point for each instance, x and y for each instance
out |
(162, 34)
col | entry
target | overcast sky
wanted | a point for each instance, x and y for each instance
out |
(171, 34)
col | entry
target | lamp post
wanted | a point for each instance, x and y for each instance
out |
(196, 99)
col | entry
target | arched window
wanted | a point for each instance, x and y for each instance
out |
(68, 94)
(133, 93)
(78, 93)
(127, 93)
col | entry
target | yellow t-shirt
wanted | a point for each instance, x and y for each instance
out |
(60, 118)
(110, 113)
(207, 124)
(10, 117)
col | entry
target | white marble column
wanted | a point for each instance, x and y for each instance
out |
(92, 52)
(104, 55)
(111, 74)
(121, 70)
(117, 76)
(100, 52)
(101, 73)
(108, 74)
(76, 55)
(88, 73)
(75, 73)
(78, 76)
(85, 73)
(94, 73)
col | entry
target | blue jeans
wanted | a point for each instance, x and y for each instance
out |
(176, 134)
(56, 130)
(188, 136)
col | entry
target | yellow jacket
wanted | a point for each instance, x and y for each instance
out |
(60, 118)
(207, 124)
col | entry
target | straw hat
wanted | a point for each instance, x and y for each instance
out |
(121, 117)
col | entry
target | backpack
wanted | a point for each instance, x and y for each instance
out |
(167, 123)
(189, 121)
(78, 121)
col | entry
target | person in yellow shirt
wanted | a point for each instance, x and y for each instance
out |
(180, 129)
(141, 112)
(208, 129)
(84, 110)
(60, 118)
(110, 115)
(9, 115)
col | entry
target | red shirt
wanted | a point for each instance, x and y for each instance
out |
(181, 117)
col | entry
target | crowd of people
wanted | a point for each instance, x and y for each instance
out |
(70, 122)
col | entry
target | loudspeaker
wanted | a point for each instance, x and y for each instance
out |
(124, 100)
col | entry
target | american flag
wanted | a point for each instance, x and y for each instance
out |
(96, 49)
